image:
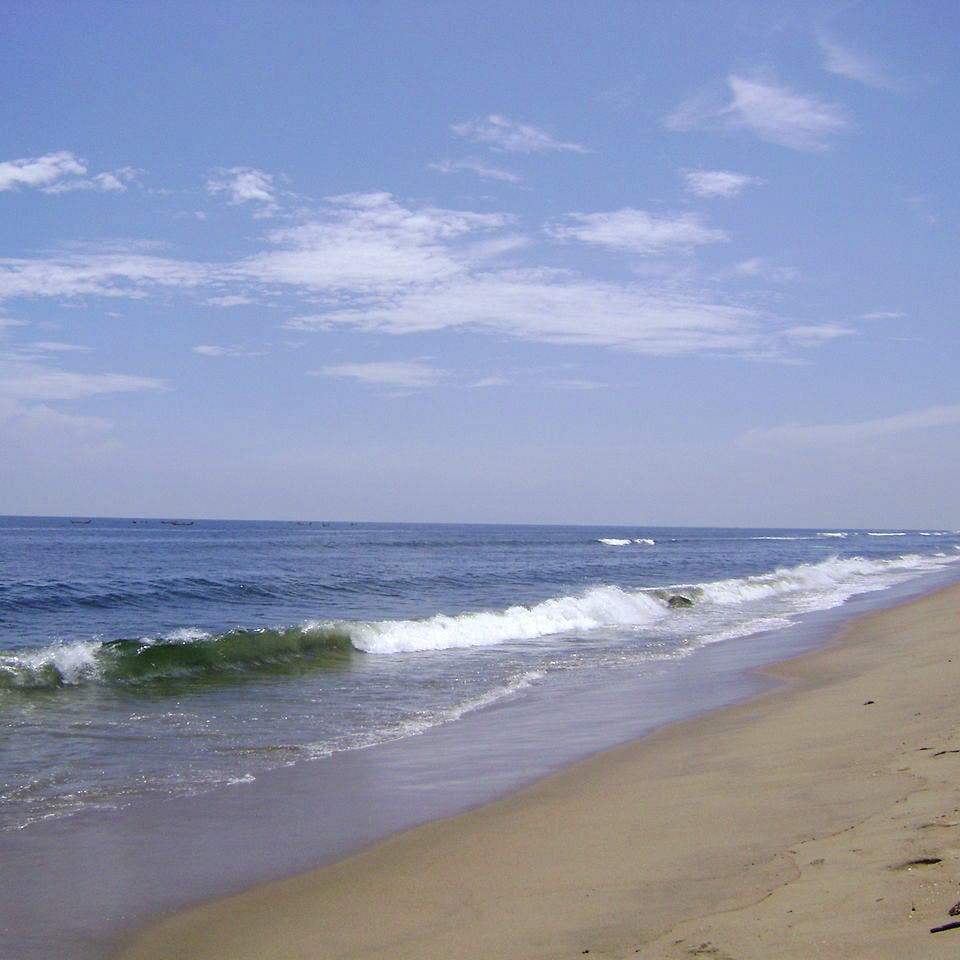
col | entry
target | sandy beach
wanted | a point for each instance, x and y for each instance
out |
(819, 819)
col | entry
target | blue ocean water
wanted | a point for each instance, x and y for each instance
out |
(145, 659)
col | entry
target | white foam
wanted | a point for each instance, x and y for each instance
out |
(423, 723)
(819, 586)
(623, 542)
(744, 629)
(73, 662)
(598, 607)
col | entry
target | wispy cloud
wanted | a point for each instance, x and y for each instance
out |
(229, 300)
(477, 167)
(502, 134)
(27, 381)
(635, 230)
(374, 263)
(882, 315)
(717, 183)
(842, 61)
(836, 434)
(245, 185)
(552, 306)
(486, 382)
(410, 374)
(765, 269)
(52, 346)
(96, 273)
(363, 244)
(771, 112)
(575, 384)
(214, 350)
(116, 181)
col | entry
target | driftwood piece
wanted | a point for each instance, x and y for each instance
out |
(946, 926)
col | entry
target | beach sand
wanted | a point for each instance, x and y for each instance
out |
(818, 819)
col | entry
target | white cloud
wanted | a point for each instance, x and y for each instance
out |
(485, 382)
(573, 384)
(244, 185)
(635, 230)
(370, 262)
(29, 385)
(478, 167)
(62, 172)
(771, 112)
(717, 183)
(214, 350)
(40, 422)
(96, 273)
(25, 381)
(844, 62)
(882, 315)
(365, 244)
(48, 346)
(762, 268)
(40, 171)
(503, 134)
(837, 434)
(398, 373)
(230, 300)
(112, 182)
(812, 335)
(555, 307)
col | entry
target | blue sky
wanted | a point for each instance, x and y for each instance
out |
(638, 263)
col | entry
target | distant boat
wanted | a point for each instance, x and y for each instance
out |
(178, 523)
(81, 521)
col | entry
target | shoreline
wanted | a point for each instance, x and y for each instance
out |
(796, 821)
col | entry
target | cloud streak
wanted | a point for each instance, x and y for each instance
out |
(842, 61)
(772, 112)
(500, 133)
(477, 167)
(717, 183)
(411, 374)
(838, 434)
(635, 230)
(551, 306)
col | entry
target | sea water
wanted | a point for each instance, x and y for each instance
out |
(145, 663)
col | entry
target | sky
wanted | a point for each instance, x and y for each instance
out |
(644, 263)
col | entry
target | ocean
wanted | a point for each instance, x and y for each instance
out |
(152, 666)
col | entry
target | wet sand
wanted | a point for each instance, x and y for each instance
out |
(818, 819)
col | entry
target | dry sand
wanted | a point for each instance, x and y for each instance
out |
(820, 819)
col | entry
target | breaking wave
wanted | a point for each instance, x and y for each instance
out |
(194, 656)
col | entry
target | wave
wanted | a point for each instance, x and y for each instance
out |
(599, 607)
(624, 542)
(189, 655)
(183, 655)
